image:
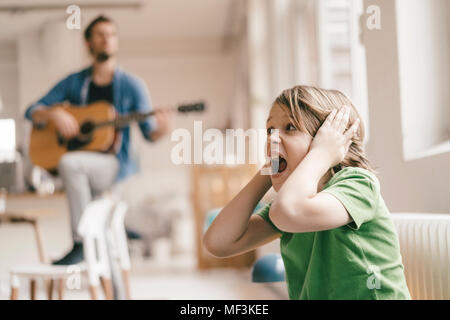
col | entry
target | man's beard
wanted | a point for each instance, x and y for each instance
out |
(102, 56)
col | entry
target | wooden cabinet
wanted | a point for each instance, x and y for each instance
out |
(214, 186)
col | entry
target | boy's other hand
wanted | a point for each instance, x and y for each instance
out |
(331, 140)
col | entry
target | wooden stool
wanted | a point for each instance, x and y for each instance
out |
(29, 217)
(96, 266)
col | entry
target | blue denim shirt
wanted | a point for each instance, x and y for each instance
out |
(129, 95)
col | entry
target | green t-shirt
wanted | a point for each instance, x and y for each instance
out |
(360, 260)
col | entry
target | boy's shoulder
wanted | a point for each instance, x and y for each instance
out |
(355, 173)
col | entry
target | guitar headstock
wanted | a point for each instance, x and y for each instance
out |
(193, 107)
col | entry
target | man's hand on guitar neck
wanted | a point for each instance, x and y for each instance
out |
(164, 120)
(65, 123)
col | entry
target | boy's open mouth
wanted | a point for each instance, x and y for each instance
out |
(278, 165)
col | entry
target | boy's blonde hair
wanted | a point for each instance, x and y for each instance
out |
(310, 106)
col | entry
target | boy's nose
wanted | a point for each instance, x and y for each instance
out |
(273, 146)
(275, 137)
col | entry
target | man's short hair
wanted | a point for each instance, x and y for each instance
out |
(88, 31)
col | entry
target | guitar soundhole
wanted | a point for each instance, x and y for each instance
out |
(83, 139)
(78, 142)
(87, 127)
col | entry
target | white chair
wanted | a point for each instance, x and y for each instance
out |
(119, 245)
(96, 265)
(92, 228)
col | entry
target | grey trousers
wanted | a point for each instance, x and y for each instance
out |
(85, 175)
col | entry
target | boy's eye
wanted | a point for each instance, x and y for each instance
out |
(290, 127)
(269, 130)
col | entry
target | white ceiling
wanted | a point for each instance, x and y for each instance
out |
(172, 19)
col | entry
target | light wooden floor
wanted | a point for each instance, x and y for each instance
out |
(176, 278)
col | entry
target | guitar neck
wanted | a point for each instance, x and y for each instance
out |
(123, 120)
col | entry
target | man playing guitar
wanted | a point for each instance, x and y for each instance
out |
(87, 174)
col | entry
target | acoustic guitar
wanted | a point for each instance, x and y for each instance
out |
(99, 130)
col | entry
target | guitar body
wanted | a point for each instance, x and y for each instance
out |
(47, 146)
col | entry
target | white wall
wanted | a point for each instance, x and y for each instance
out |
(260, 72)
(240, 111)
(420, 185)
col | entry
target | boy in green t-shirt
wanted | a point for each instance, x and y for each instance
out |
(337, 238)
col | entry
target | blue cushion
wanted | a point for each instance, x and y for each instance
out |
(269, 268)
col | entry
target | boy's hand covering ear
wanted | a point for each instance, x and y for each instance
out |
(332, 140)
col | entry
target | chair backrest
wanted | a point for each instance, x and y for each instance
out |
(92, 228)
(117, 226)
(425, 247)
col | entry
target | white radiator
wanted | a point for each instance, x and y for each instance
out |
(425, 248)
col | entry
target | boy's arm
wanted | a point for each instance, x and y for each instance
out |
(235, 230)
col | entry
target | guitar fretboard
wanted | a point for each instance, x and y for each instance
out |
(123, 120)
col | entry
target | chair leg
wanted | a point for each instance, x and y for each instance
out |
(126, 282)
(107, 288)
(14, 293)
(60, 288)
(49, 285)
(33, 289)
(93, 290)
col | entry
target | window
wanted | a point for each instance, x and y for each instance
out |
(7, 140)
(342, 62)
(423, 32)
